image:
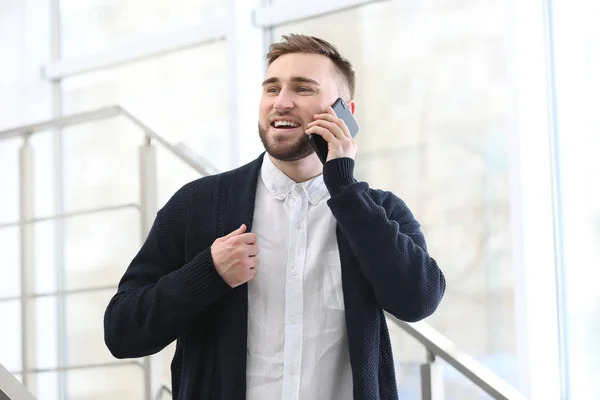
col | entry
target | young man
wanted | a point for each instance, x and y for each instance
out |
(307, 321)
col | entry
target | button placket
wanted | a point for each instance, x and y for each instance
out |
(293, 308)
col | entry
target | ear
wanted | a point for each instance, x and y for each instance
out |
(352, 105)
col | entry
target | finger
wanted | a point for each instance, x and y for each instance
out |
(253, 250)
(238, 231)
(324, 133)
(251, 274)
(248, 238)
(332, 117)
(330, 126)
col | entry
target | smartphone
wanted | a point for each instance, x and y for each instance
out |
(342, 111)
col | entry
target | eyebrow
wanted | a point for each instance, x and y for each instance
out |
(297, 79)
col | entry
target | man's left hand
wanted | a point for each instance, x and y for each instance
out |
(335, 132)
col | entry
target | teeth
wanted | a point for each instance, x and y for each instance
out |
(278, 124)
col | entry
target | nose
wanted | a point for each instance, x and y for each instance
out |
(284, 101)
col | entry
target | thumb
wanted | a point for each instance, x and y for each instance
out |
(238, 231)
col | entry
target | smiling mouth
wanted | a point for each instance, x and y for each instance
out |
(285, 124)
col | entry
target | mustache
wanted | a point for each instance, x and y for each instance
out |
(282, 114)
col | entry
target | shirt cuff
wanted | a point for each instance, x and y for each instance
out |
(338, 173)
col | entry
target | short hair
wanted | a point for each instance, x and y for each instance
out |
(295, 43)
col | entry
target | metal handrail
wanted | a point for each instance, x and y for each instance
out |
(54, 217)
(11, 388)
(440, 346)
(76, 367)
(180, 150)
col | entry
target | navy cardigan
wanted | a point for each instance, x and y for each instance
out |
(171, 290)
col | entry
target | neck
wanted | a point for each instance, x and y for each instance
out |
(301, 170)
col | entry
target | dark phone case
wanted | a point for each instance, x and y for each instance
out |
(343, 112)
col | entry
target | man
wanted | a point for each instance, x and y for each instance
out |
(307, 321)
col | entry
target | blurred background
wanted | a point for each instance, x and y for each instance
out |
(480, 114)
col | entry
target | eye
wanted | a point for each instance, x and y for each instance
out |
(272, 89)
(304, 89)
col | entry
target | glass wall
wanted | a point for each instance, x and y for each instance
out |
(432, 95)
(183, 96)
(91, 26)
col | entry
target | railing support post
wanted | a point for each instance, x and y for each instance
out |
(153, 365)
(432, 379)
(27, 250)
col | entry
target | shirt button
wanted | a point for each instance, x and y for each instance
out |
(298, 226)
(293, 320)
(295, 272)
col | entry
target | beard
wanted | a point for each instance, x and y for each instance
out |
(282, 149)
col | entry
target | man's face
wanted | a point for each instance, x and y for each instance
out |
(297, 86)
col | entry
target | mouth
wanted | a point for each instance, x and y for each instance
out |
(284, 125)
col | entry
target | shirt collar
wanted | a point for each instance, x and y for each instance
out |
(280, 185)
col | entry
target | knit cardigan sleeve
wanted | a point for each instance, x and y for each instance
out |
(388, 243)
(159, 296)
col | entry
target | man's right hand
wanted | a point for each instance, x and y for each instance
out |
(235, 256)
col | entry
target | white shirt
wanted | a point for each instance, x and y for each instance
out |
(297, 341)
